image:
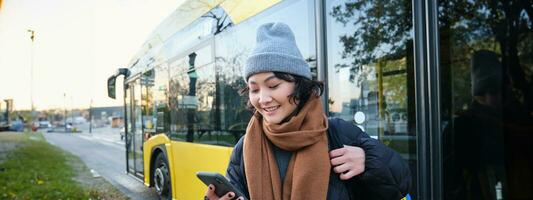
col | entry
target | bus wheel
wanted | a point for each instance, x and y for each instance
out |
(162, 177)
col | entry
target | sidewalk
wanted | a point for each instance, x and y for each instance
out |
(105, 133)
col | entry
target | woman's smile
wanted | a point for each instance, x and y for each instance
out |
(271, 110)
(270, 96)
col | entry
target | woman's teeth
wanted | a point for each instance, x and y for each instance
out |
(270, 109)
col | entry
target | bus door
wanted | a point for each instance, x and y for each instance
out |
(134, 140)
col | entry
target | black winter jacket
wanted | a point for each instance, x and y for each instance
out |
(386, 174)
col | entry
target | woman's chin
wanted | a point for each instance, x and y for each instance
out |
(272, 120)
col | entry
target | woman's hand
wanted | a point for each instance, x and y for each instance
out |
(210, 194)
(348, 161)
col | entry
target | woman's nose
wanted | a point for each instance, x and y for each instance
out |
(264, 97)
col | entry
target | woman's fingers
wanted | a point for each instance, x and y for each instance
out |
(211, 195)
(337, 152)
(348, 175)
(338, 160)
(228, 196)
(348, 161)
(342, 168)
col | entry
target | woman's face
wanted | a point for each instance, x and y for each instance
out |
(270, 96)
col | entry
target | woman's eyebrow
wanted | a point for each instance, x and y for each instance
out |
(270, 78)
(266, 80)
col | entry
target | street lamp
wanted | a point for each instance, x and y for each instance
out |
(91, 116)
(65, 113)
(32, 37)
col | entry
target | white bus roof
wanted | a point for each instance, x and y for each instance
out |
(191, 10)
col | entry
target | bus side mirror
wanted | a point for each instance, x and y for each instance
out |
(111, 87)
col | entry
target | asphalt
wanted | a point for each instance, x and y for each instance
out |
(104, 152)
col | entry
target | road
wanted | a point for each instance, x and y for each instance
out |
(104, 152)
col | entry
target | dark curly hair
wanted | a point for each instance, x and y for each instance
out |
(303, 90)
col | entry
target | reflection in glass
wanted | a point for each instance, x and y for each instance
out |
(137, 136)
(147, 107)
(486, 64)
(130, 131)
(159, 94)
(370, 70)
(192, 99)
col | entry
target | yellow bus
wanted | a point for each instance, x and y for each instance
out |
(401, 70)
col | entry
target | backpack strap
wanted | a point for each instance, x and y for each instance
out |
(334, 142)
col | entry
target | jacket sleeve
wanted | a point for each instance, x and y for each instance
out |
(235, 171)
(386, 175)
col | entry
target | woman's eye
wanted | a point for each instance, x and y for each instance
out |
(254, 91)
(274, 86)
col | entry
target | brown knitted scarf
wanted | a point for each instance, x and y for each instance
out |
(308, 171)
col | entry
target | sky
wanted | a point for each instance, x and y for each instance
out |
(78, 45)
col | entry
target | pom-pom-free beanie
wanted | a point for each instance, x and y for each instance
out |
(276, 51)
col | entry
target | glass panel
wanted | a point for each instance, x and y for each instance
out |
(193, 115)
(138, 127)
(147, 107)
(155, 101)
(486, 64)
(370, 71)
(178, 87)
(160, 99)
(234, 45)
(129, 128)
(189, 37)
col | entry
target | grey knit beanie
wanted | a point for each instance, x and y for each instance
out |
(276, 51)
(486, 73)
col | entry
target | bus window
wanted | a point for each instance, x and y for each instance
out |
(370, 71)
(486, 65)
(135, 138)
(159, 109)
(129, 125)
(192, 90)
(147, 102)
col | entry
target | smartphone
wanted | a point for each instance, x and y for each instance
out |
(222, 185)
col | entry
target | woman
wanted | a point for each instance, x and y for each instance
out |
(290, 149)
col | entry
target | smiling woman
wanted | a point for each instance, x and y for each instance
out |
(287, 152)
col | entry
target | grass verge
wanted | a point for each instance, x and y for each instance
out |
(30, 168)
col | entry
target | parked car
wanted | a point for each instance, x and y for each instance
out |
(17, 126)
(44, 124)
